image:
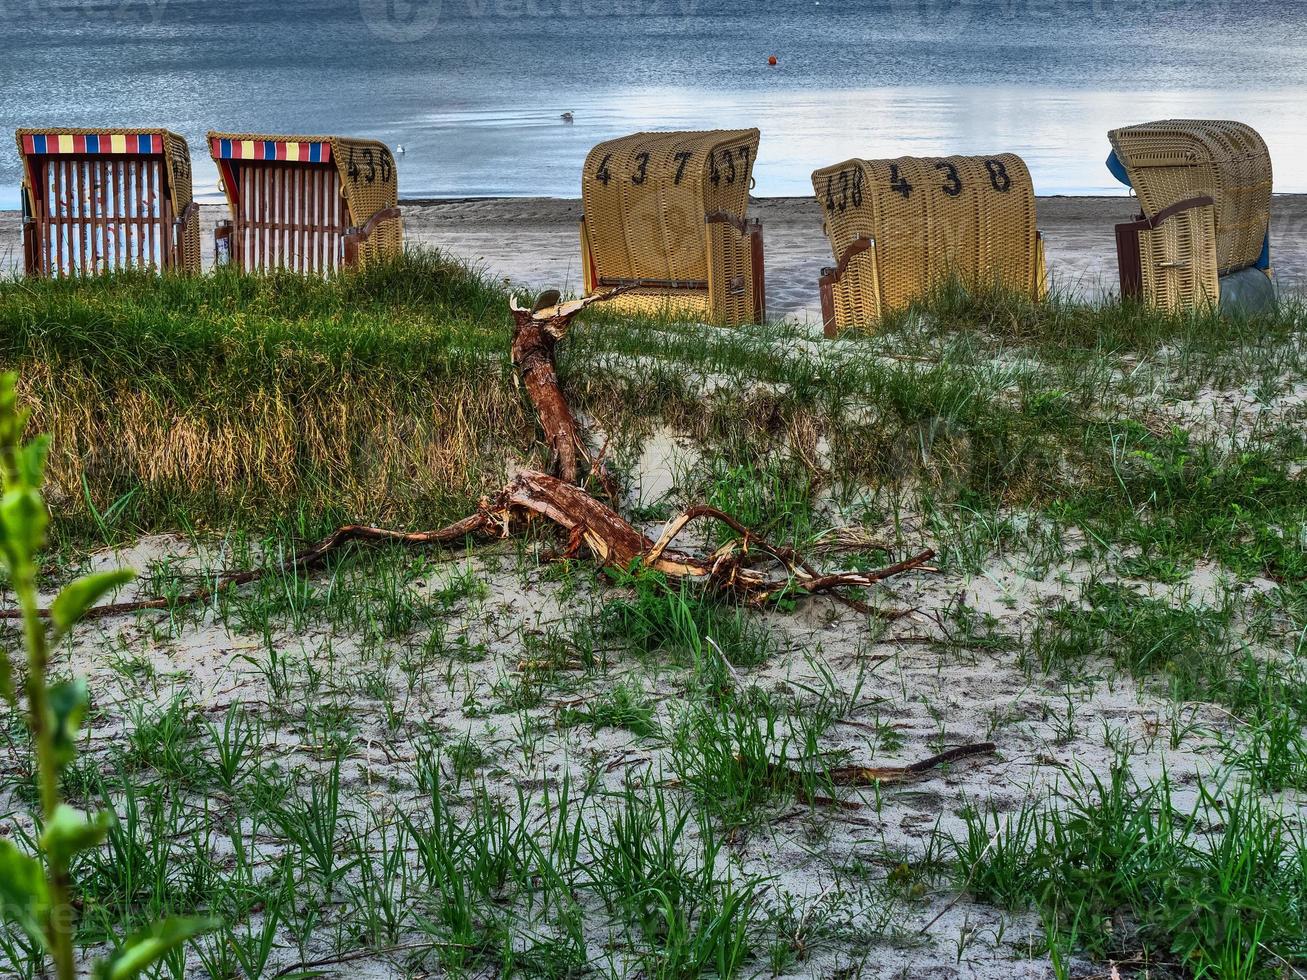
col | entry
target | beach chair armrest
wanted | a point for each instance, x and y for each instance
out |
(189, 212)
(839, 312)
(356, 237)
(364, 232)
(1129, 254)
(835, 273)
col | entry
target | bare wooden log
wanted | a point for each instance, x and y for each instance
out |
(536, 333)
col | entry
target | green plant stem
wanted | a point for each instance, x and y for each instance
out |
(59, 922)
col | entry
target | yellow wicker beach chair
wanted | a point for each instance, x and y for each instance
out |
(1204, 187)
(899, 227)
(95, 200)
(308, 203)
(665, 216)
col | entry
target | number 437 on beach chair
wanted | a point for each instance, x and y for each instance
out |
(900, 227)
(97, 200)
(307, 203)
(665, 218)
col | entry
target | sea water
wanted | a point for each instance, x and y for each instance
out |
(474, 91)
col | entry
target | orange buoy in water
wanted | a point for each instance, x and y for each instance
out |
(773, 61)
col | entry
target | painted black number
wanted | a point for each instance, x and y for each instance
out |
(998, 177)
(603, 174)
(730, 162)
(744, 157)
(953, 185)
(639, 176)
(898, 183)
(850, 191)
(682, 158)
(352, 168)
(714, 174)
(371, 175)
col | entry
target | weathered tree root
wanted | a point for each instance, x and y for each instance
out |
(589, 524)
(867, 776)
(536, 332)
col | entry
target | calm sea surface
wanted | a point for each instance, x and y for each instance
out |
(474, 89)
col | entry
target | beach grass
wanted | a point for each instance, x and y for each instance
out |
(497, 762)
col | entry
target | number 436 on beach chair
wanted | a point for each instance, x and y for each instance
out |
(900, 227)
(665, 217)
(307, 203)
(1204, 187)
(96, 200)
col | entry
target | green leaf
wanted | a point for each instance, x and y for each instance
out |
(78, 596)
(71, 831)
(148, 946)
(66, 704)
(23, 514)
(24, 900)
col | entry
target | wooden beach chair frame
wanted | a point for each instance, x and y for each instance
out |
(1204, 190)
(96, 200)
(899, 227)
(665, 217)
(312, 204)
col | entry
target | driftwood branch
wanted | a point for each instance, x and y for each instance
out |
(750, 568)
(536, 332)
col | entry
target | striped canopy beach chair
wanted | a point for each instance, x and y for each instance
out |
(308, 203)
(899, 227)
(1204, 189)
(665, 215)
(96, 200)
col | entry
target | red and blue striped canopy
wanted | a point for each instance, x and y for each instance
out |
(38, 144)
(302, 151)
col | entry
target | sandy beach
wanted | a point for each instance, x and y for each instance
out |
(532, 241)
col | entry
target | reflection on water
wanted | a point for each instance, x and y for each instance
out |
(474, 89)
(1061, 134)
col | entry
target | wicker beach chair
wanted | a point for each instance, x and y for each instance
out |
(899, 227)
(308, 203)
(1204, 187)
(665, 216)
(96, 200)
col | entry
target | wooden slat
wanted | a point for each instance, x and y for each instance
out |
(57, 214)
(290, 215)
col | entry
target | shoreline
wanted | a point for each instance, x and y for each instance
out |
(532, 242)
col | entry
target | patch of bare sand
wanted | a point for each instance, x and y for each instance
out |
(534, 242)
(923, 689)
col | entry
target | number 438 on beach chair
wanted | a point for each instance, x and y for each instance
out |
(1204, 187)
(306, 203)
(900, 227)
(96, 200)
(665, 217)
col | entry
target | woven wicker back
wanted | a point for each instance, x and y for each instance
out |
(370, 182)
(1180, 159)
(103, 199)
(928, 218)
(646, 196)
(294, 198)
